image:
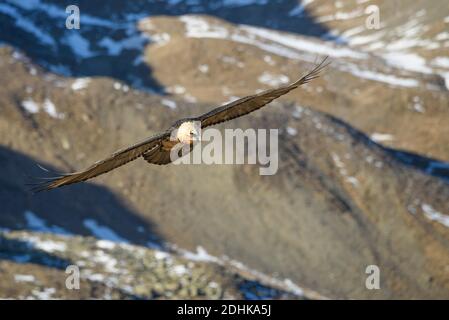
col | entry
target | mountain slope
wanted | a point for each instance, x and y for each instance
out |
(339, 203)
(33, 266)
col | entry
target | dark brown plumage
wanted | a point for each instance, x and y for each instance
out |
(156, 149)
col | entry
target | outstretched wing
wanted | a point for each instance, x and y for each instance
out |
(116, 160)
(249, 104)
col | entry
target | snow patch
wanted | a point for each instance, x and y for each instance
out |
(102, 232)
(303, 44)
(343, 171)
(48, 106)
(169, 103)
(115, 47)
(407, 61)
(45, 294)
(37, 224)
(232, 60)
(342, 15)
(160, 38)
(380, 137)
(292, 131)
(49, 245)
(442, 62)
(160, 255)
(179, 270)
(30, 106)
(106, 260)
(46, 245)
(200, 255)
(79, 45)
(268, 40)
(418, 105)
(269, 60)
(50, 109)
(80, 83)
(197, 27)
(442, 36)
(24, 278)
(26, 25)
(189, 98)
(106, 244)
(204, 68)
(176, 89)
(298, 10)
(380, 77)
(434, 215)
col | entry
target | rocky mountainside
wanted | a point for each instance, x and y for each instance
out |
(363, 150)
(37, 266)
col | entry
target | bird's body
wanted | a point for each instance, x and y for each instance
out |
(157, 149)
(167, 145)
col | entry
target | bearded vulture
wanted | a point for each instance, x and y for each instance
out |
(156, 149)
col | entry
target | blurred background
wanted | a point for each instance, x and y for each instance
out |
(364, 150)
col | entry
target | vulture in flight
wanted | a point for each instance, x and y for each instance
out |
(156, 149)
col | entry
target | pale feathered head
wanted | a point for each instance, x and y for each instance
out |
(189, 131)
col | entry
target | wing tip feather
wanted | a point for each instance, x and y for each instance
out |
(39, 184)
(315, 72)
